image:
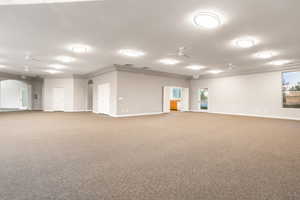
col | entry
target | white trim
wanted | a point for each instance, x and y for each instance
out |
(251, 115)
(139, 114)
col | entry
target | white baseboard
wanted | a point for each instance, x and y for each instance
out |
(250, 115)
(139, 114)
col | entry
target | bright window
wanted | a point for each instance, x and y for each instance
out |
(176, 93)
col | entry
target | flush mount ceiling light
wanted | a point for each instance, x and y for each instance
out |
(245, 42)
(57, 66)
(207, 20)
(169, 61)
(65, 59)
(195, 67)
(216, 71)
(51, 71)
(23, 2)
(265, 54)
(280, 62)
(80, 48)
(131, 53)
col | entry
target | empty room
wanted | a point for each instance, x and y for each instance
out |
(149, 100)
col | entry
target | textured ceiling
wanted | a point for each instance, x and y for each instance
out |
(157, 27)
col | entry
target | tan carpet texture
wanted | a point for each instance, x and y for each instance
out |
(177, 156)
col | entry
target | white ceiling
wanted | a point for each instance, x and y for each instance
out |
(157, 27)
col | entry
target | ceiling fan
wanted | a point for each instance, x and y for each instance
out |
(180, 53)
(23, 2)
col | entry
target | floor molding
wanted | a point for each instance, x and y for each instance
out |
(136, 115)
(250, 115)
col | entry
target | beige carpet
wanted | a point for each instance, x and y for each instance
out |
(180, 156)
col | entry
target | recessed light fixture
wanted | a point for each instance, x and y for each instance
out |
(51, 71)
(80, 48)
(216, 71)
(195, 67)
(207, 20)
(265, 54)
(131, 53)
(169, 61)
(280, 62)
(245, 42)
(20, 2)
(57, 66)
(65, 59)
(3, 66)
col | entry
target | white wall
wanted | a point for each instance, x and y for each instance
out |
(80, 95)
(255, 94)
(141, 93)
(50, 84)
(111, 78)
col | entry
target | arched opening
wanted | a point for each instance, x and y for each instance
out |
(15, 95)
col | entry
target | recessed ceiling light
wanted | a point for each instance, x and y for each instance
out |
(266, 54)
(3, 66)
(20, 2)
(131, 52)
(216, 71)
(65, 59)
(57, 66)
(280, 62)
(169, 61)
(195, 67)
(51, 71)
(246, 42)
(80, 48)
(207, 20)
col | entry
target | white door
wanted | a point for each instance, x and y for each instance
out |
(104, 98)
(58, 99)
(166, 99)
(185, 100)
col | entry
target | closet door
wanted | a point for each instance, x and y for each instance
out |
(104, 98)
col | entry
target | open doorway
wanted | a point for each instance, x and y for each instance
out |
(90, 95)
(203, 99)
(175, 99)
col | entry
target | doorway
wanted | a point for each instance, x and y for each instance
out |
(58, 99)
(104, 99)
(175, 99)
(203, 99)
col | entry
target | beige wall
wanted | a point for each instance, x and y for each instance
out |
(255, 94)
(141, 93)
